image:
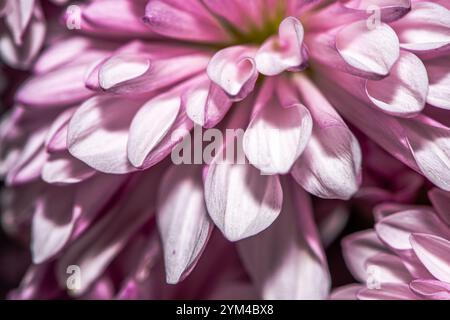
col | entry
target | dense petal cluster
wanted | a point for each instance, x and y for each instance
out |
(406, 256)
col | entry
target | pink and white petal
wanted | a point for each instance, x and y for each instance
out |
(22, 56)
(372, 51)
(389, 10)
(282, 52)
(425, 30)
(439, 77)
(432, 251)
(388, 291)
(18, 17)
(286, 260)
(348, 292)
(62, 169)
(240, 200)
(206, 104)
(276, 135)
(431, 289)
(440, 200)
(185, 20)
(58, 88)
(429, 142)
(395, 230)
(183, 222)
(404, 91)
(147, 145)
(115, 18)
(233, 69)
(98, 133)
(144, 75)
(98, 246)
(330, 165)
(52, 223)
(56, 140)
(387, 268)
(357, 248)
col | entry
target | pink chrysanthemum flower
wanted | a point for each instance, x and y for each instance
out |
(86, 151)
(406, 256)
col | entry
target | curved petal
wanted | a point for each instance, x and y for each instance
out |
(183, 222)
(404, 91)
(432, 251)
(282, 52)
(372, 51)
(240, 200)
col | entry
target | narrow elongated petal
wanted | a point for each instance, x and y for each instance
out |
(432, 251)
(387, 268)
(186, 20)
(330, 165)
(276, 135)
(431, 289)
(94, 251)
(52, 224)
(183, 222)
(59, 88)
(286, 260)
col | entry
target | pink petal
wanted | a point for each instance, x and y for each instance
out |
(95, 250)
(276, 135)
(440, 200)
(18, 17)
(206, 104)
(147, 145)
(186, 20)
(58, 88)
(233, 69)
(425, 30)
(283, 260)
(388, 291)
(432, 251)
(282, 52)
(183, 221)
(98, 133)
(330, 165)
(395, 230)
(56, 140)
(52, 223)
(22, 56)
(64, 169)
(357, 248)
(431, 289)
(439, 77)
(370, 51)
(240, 200)
(404, 91)
(348, 292)
(387, 268)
